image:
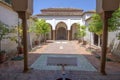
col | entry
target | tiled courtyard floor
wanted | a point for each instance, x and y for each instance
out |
(12, 70)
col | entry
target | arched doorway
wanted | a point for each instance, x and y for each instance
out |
(61, 31)
(74, 31)
(50, 34)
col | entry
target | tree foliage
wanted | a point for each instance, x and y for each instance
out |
(19, 37)
(40, 27)
(81, 32)
(96, 24)
(4, 30)
(114, 21)
(36, 28)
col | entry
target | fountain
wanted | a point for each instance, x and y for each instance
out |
(63, 72)
(62, 61)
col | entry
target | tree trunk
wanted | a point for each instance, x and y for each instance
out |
(45, 38)
(40, 37)
(0, 45)
(99, 40)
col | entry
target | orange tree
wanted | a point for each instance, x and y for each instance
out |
(114, 21)
(40, 28)
(81, 31)
(96, 25)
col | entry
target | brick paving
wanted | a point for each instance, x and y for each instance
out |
(60, 47)
(12, 70)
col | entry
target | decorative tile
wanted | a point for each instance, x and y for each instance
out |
(82, 63)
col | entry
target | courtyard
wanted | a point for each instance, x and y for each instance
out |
(39, 41)
(87, 64)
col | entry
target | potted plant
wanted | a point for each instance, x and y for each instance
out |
(36, 42)
(3, 32)
(41, 29)
(19, 47)
(81, 33)
(18, 38)
(2, 56)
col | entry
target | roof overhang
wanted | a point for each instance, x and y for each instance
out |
(107, 5)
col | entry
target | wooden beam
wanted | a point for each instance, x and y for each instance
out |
(23, 16)
(106, 15)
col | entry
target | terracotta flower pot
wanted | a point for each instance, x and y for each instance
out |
(2, 57)
(84, 42)
(36, 42)
(20, 50)
(79, 40)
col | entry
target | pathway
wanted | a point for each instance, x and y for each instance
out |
(12, 70)
(62, 49)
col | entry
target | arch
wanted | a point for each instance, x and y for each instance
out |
(61, 31)
(74, 31)
(61, 24)
(50, 34)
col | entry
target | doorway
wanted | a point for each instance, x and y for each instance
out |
(61, 33)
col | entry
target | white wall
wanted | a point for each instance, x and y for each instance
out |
(89, 35)
(9, 17)
(68, 20)
(87, 15)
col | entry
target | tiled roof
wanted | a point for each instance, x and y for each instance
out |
(61, 9)
(63, 12)
(92, 11)
(88, 19)
(60, 14)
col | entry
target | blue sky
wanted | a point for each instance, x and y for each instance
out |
(82, 4)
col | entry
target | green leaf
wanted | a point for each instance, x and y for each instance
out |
(114, 21)
(96, 24)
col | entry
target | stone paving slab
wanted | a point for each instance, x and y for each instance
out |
(82, 63)
(60, 47)
(12, 70)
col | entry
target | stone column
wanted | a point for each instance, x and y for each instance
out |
(54, 34)
(68, 34)
(51, 34)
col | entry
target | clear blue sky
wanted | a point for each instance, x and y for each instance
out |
(82, 4)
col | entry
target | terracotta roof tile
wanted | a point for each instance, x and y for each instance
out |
(63, 12)
(62, 9)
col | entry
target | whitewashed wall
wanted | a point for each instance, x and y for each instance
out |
(68, 20)
(89, 35)
(9, 17)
